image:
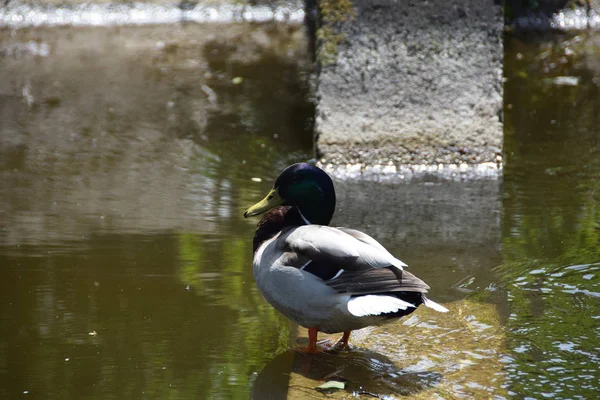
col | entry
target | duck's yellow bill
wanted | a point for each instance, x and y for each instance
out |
(270, 201)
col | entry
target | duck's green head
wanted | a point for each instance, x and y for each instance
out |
(305, 187)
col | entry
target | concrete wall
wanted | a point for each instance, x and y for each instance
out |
(415, 82)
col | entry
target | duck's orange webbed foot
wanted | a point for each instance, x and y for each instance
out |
(326, 344)
(342, 344)
(312, 342)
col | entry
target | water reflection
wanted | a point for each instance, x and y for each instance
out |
(152, 337)
(448, 233)
(123, 184)
(551, 229)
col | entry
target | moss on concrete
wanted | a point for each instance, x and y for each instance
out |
(332, 13)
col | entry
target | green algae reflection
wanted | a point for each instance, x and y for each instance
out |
(221, 269)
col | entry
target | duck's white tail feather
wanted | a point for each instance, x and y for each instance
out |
(376, 304)
(434, 305)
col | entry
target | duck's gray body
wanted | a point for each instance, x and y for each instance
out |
(335, 279)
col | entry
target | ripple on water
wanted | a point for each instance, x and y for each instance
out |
(554, 332)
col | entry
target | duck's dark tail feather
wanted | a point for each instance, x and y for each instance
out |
(414, 298)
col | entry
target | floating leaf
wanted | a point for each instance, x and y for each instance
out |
(330, 386)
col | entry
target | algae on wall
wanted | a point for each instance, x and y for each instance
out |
(329, 37)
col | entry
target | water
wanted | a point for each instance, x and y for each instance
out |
(127, 157)
(551, 227)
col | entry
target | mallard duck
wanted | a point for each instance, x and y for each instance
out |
(324, 278)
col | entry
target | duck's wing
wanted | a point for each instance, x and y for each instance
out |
(363, 237)
(327, 245)
(351, 262)
(377, 280)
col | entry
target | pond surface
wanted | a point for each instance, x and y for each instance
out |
(551, 223)
(127, 158)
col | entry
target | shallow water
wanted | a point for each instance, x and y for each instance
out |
(126, 165)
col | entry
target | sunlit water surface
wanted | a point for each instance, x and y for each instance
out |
(128, 155)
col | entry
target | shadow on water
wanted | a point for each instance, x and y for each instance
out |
(363, 372)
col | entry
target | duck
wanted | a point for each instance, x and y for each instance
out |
(326, 279)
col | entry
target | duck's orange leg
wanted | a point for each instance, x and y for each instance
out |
(345, 338)
(312, 340)
(343, 342)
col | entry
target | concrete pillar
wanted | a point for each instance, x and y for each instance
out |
(413, 82)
